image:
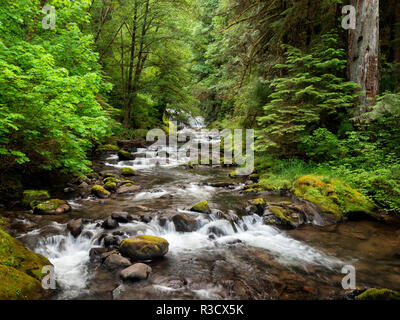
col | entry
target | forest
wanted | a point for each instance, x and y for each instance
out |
(91, 75)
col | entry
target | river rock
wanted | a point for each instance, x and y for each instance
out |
(127, 189)
(95, 253)
(184, 223)
(111, 241)
(123, 217)
(52, 207)
(201, 207)
(125, 155)
(69, 190)
(138, 271)
(100, 192)
(110, 223)
(221, 184)
(75, 227)
(141, 248)
(115, 261)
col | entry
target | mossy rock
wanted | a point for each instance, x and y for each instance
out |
(253, 188)
(127, 183)
(259, 202)
(52, 206)
(110, 179)
(107, 148)
(16, 285)
(379, 294)
(31, 197)
(110, 186)
(128, 172)
(333, 197)
(283, 216)
(202, 207)
(142, 248)
(100, 192)
(108, 175)
(15, 256)
(125, 155)
(93, 175)
(254, 177)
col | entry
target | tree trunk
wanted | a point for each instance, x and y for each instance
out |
(363, 51)
(128, 105)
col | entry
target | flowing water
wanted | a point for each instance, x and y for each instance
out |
(245, 259)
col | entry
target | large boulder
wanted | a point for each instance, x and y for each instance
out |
(51, 207)
(184, 223)
(20, 270)
(138, 271)
(115, 262)
(32, 197)
(201, 207)
(75, 227)
(142, 248)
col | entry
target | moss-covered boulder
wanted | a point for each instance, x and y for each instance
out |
(202, 207)
(333, 197)
(110, 179)
(258, 205)
(379, 294)
(32, 197)
(16, 285)
(20, 270)
(280, 216)
(100, 192)
(108, 175)
(125, 155)
(51, 207)
(110, 186)
(107, 148)
(128, 172)
(142, 248)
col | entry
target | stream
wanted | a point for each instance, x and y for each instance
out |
(245, 259)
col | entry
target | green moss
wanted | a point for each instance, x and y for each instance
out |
(92, 175)
(233, 174)
(334, 196)
(48, 206)
(110, 186)
(259, 202)
(128, 172)
(108, 175)
(107, 148)
(127, 183)
(281, 214)
(110, 179)
(125, 155)
(97, 189)
(14, 254)
(16, 285)
(379, 294)
(201, 206)
(34, 196)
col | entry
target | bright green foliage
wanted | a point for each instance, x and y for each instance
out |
(50, 84)
(310, 94)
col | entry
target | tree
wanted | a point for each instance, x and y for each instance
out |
(363, 51)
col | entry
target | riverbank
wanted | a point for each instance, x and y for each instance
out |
(293, 249)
